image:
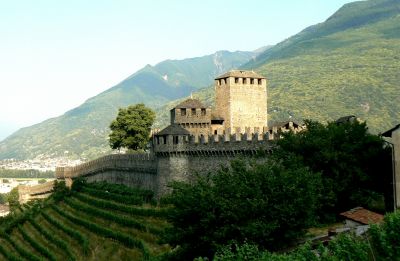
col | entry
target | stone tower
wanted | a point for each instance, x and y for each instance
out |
(241, 100)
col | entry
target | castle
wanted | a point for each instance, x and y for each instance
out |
(198, 140)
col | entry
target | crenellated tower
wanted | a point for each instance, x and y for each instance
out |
(241, 100)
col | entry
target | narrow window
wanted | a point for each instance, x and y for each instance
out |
(165, 139)
(183, 112)
(203, 112)
(193, 112)
(259, 81)
(244, 80)
(251, 81)
(175, 139)
(236, 80)
(215, 132)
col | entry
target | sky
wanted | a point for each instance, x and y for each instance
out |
(54, 55)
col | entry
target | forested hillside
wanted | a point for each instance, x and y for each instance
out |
(82, 132)
(348, 65)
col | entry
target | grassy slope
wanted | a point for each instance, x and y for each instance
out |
(83, 131)
(63, 230)
(346, 65)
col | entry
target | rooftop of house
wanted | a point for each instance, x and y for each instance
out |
(240, 74)
(345, 119)
(173, 129)
(388, 133)
(190, 104)
(285, 124)
(363, 216)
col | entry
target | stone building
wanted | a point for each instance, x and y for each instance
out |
(193, 116)
(240, 102)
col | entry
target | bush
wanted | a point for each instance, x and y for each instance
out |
(267, 204)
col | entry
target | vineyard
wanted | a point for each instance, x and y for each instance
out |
(97, 221)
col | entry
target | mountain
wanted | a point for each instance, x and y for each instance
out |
(347, 65)
(83, 131)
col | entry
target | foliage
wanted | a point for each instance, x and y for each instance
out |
(131, 128)
(83, 241)
(53, 239)
(25, 173)
(13, 199)
(264, 203)
(36, 245)
(3, 198)
(106, 204)
(381, 243)
(41, 181)
(348, 158)
(125, 239)
(119, 219)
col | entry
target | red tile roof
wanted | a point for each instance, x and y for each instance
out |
(363, 216)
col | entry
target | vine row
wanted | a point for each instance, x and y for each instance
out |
(69, 231)
(53, 239)
(41, 249)
(116, 235)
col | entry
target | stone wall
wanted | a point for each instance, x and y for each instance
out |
(27, 193)
(168, 162)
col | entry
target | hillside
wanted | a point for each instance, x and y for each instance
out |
(347, 65)
(83, 131)
(117, 223)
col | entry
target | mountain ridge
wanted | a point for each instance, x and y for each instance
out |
(83, 130)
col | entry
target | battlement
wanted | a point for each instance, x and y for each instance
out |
(214, 144)
(143, 162)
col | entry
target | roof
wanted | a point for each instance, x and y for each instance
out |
(190, 103)
(216, 117)
(173, 129)
(285, 123)
(363, 216)
(345, 119)
(240, 73)
(388, 133)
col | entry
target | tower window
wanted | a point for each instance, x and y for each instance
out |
(259, 81)
(176, 140)
(236, 80)
(244, 80)
(193, 112)
(251, 81)
(183, 112)
(203, 112)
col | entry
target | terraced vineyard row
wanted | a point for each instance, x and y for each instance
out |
(90, 222)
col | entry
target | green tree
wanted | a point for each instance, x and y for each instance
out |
(131, 128)
(13, 199)
(42, 181)
(267, 204)
(351, 160)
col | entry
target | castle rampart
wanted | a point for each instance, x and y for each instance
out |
(175, 159)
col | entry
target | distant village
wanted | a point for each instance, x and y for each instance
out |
(41, 164)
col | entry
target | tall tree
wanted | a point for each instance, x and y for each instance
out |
(131, 128)
(350, 159)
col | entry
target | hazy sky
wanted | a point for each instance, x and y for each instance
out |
(55, 54)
